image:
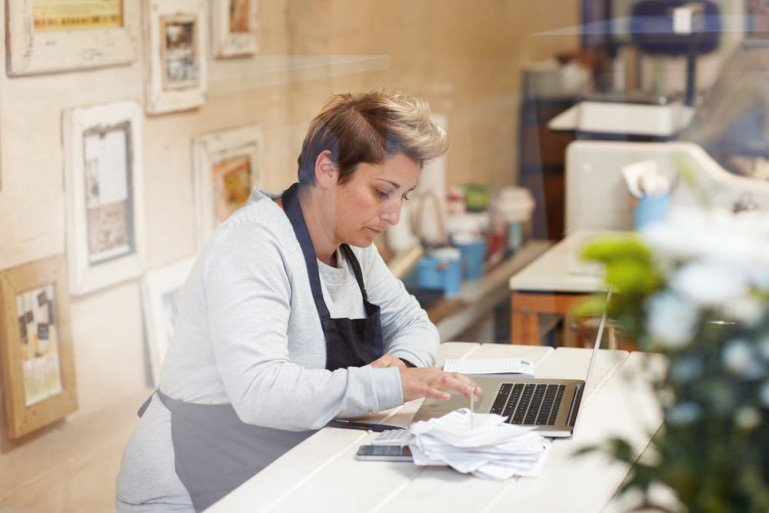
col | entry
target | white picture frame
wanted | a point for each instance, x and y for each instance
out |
(104, 194)
(42, 37)
(223, 161)
(176, 40)
(235, 28)
(161, 289)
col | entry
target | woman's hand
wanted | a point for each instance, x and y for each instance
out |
(434, 383)
(388, 360)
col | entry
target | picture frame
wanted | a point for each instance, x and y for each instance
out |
(53, 35)
(176, 38)
(161, 289)
(36, 345)
(235, 28)
(227, 166)
(104, 194)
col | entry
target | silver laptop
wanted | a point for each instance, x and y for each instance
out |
(552, 405)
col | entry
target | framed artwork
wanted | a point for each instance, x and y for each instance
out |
(58, 35)
(36, 345)
(103, 185)
(161, 289)
(757, 26)
(227, 167)
(235, 25)
(176, 38)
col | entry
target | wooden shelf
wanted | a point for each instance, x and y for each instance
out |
(478, 298)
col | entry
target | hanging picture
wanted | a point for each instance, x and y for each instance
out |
(36, 346)
(162, 290)
(58, 35)
(227, 167)
(103, 182)
(235, 27)
(176, 35)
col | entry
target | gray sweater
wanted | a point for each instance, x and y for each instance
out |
(248, 333)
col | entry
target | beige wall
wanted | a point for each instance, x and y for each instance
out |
(464, 57)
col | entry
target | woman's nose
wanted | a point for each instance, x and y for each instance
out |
(392, 211)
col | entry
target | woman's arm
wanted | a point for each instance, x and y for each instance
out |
(256, 296)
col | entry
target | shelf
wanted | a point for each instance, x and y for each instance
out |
(478, 298)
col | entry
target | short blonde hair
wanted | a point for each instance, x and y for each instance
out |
(368, 128)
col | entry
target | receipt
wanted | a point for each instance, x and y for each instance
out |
(488, 448)
(477, 366)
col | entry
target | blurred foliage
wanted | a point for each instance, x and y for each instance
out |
(713, 449)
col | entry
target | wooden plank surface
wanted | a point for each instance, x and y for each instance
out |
(322, 473)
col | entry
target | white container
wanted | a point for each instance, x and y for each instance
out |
(466, 227)
(514, 206)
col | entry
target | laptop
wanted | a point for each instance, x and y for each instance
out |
(551, 405)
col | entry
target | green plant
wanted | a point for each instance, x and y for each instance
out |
(697, 289)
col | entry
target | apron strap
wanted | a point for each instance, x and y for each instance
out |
(294, 212)
(146, 404)
(350, 256)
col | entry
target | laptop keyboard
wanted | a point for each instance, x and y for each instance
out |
(529, 403)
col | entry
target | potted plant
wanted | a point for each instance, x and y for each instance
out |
(696, 288)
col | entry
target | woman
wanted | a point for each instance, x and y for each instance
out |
(290, 318)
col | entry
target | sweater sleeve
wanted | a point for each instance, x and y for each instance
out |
(407, 331)
(248, 284)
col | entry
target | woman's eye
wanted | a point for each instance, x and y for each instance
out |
(405, 197)
(383, 194)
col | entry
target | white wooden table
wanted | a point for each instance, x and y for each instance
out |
(554, 284)
(322, 474)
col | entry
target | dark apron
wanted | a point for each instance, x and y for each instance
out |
(214, 451)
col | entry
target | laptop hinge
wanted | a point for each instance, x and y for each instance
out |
(575, 405)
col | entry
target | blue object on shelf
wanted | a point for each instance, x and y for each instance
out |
(441, 271)
(472, 254)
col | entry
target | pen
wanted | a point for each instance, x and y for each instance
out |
(351, 424)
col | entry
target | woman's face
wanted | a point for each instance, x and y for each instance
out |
(371, 200)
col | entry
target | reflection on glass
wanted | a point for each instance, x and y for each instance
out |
(731, 123)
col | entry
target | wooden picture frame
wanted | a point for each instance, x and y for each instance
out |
(176, 36)
(227, 166)
(235, 28)
(161, 289)
(104, 190)
(36, 345)
(45, 36)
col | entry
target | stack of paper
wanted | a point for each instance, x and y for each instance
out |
(488, 447)
(517, 367)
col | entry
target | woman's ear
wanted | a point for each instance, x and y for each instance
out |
(325, 170)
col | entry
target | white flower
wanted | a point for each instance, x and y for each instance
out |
(671, 320)
(709, 284)
(684, 413)
(747, 417)
(733, 240)
(747, 310)
(738, 357)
